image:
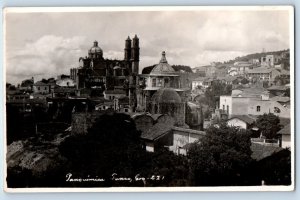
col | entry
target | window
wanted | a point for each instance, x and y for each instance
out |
(223, 107)
(154, 82)
(166, 82)
(227, 108)
(159, 83)
(45, 88)
(39, 88)
(276, 110)
(258, 108)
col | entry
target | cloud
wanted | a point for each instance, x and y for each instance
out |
(49, 55)
(189, 38)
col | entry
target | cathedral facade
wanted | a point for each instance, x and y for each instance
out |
(95, 73)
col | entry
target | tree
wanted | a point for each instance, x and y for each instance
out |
(220, 157)
(287, 92)
(112, 145)
(244, 81)
(173, 168)
(269, 125)
(281, 80)
(213, 93)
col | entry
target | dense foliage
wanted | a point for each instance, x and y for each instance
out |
(269, 125)
(117, 149)
(112, 147)
(221, 157)
(213, 93)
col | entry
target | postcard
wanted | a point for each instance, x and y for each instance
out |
(135, 99)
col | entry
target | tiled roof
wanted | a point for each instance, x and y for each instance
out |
(244, 64)
(40, 83)
(260, 70)
(156, 131)
(284, 72)
(281, 99)
(252, 92)
(286, 130)
(260, 151)
(246, 118)
(284, 121)
(156, 116)
(278, 87)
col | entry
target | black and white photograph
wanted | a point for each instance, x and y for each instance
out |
(132, 99)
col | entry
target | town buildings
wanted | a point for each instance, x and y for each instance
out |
(252, 101)
(263, 74)
(160, 101)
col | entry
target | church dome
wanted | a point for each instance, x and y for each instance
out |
(166, 95)
(163, 67)
(95, 49)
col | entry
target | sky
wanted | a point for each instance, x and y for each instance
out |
(47, 44)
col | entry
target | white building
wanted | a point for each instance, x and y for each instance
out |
(285, 136)
(241, 121)
(252, 103)
(203, 82)
(65, 82)
(269, 60)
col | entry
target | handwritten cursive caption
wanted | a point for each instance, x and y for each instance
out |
(114, 177)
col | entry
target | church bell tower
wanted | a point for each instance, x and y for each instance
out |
(135, 55)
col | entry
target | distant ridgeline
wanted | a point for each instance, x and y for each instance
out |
(184, 68)
(257, 55)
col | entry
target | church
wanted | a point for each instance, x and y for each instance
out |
(96, 74)
(163, 91)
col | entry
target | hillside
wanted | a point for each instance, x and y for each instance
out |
(247, 57)
(256, 56)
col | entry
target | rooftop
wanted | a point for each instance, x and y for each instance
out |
(260, 151)
(261, 70)
(286, 130)
(162, 68)
(281, 99)
(166, 95)
(156, 131)
(246, 118)
(249, 92)
(278, 87)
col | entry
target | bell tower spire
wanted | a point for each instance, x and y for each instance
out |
(135, 55)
